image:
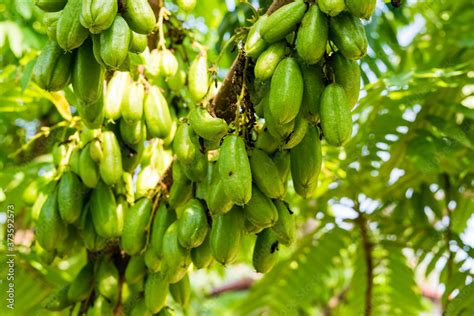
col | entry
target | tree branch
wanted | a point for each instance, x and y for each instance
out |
(368, 247)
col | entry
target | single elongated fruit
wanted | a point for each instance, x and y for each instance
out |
(268, 60)
(132, 132)
(266, 141)
(70, 33)
(348, 33)
(361, 8)
(92, 241)
(265, 252)
(92, 114)
(114, 43)
(279, 131)
(105, 217)
(115, 94)
(58, 300)
(336, 120)
(181, 291)
(286, 91)
(70, 197)
(152, 261)
(136, 270)
(347, 74)
(306, 161)
(168, 63)
(132, 105)
(50, 5)
(250, 228)
(140, 309)
(96, 150)
(207, 126)
(139, 16)
(107, 279)
(202, 255)
(260, 210)
(147, 180)
(186, 144)
(217, 200)
(312, 36)
(234, 169)
(132, 154)
(192, 225)
(110, 165)
(198, 81)
(313, 81)
(197, 171)
(156, 292)
(82, 285)
(157, 113)
(162, 220)
(50, 20)
(226, 234)
(50, 228)
(265, 174)
(176, 259)
(282, 162)
(101, 306)
(182, 189)
(331, 7)
(178, 80)
(282, 21)
(255, 44)
(88, 169)
(135, 226)
(301, 126)
(138, 43)
(88, 75)
(52, 70)
(285, 227)
(186, 5)
(97, 15)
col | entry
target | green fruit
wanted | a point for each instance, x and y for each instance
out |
(132, 104)
(115, 94)
(70, 33)
(168, 63)
(157, 113)
(348, 33)
(265, 253)
(202, 255)
(161, 221)
(45, 257)
(152, 261)
(50, 5)
(139, 16)
(156, 292)
(301, 126)
(132, 154)
(265, 174)
(58, 300)
(70, 197)
(186, 144)
(140, 309)
(234, 170)
(268, 60)
(336, 119)
(96, 49)
(114, 43)
(347, 74)
(97, 15)
(110, 165)
(107, 280)
(192, 225)
(74, 160)
(135, 226)
(197, 171)
(225, 236)
(131, 133)
(176, 259)
(138, 43)
(217, 200)
(101, 307)
(136, 270)
(96, 150)
(105, 216)
(186, 5)
(306, 163)
(50, 21)
(52, 69)
(265, 141)
(331, 7)
(250, 228)
(50, 229)
(282, 21)
(59, 152)
(313, 81)
(285, 227)
(82, 285)
(92, 241)
(92, 114)
(178, 80)
(198, 81)
(278, 131)
(88, 170)
(260, 210)
(255, 44)
(207, 126)
(182, 189)
(312, 36)
(361, 8)
(31, 193)
(147, 180)
(286, 91)
(88, 75)
(181, 291)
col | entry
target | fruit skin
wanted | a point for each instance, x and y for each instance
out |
(347, 74)
(138, 43)
(268, 60)
(361, 8)
(157, 113)
(132, 104)
(348, 33)
(52, 69)
(71, 193)
(70, 33)
(207, 126)
(202, 255)
(92, 241)
(265, 174)
(234, 170)
(197, 171)
(58, 300)
(182, 189)
(186, 5)
(156, 292)
(134, 230)
(97, 15)
(225, 236)
(82, 285)
(301, 126)
(110, 165)
(136, 270)
(96, 150)
(88, 170)
(278, 131)
(88, 75)
(50, 229)
(266, 141)
(282, 21)
(168, 63)
(114, 43)
(198, 81)
(265, 252)
(132, 133)
(147, 179)
(336, 119)
(312, 36)
(107, 280)
(255, 44)
(313, 81)
(116, 94)
(101, 307)
(217, 200)
(152, 261)
(50, 20)
(286, 91)
(306, 159)
(176, 259)
(285, 228)
(186, 144)
(192, 225)
(139, 16)
(105, 217)
(331, 7)
(92, 114)
(260, 210)
(50, 5)
(181, 291)
(162, 220)
(140, 309)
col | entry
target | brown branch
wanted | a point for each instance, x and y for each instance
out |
(156, 6)
(368, 247)
(239, 285)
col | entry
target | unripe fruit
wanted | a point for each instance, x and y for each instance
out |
(97, 15)
(336, 120)
(110, 165)
(52, 69)
(70, 33)
(136, 223)
(260, 210)
(255, 44)
(283, 21)
(192, 225)
(226, 234)
(139, 16)
(268, 60)
(312, 36)
(114, 43)
(198, 81)
(331, 7)
(265, 253)
(348, 33)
